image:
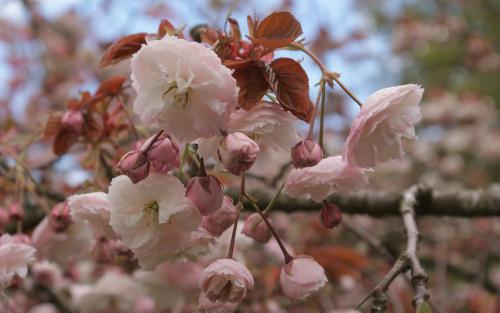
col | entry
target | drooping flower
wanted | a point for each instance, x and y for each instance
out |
(238, 152)
(153, 218)
(14, 259)
(184, 86)
(301, 277)
(387, 116)
(226, 280)
(319, 181)
(93, 209)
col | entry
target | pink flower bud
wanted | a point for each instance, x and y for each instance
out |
(330, 215)
(163, 155)
(16, 211)
(135, 165)
(255, 227)
(301, 277)
(226, 280)
(306, 153)
(205, 192)
(73, 120)
(238, 152)
(60, 217)
(217, 222)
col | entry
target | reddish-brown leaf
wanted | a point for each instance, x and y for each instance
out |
(277, 30)
(94, 125)
(235, 28)
(111, 86)
(338, 261)
(53, 125)
(165, 28)
(252, 83)
(122, 49)
(238, 64)
(64, 139)
(251, 26)
(289, 82)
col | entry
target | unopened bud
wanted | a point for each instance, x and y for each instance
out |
(217, 222)
(238, 152)
(306, 153)
(331, 215)
(255, 227)
(163, 155)
(135, 165)
(205, 192)
(60, 217)
(16, 211)
(73, 120)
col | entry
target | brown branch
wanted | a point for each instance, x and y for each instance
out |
(458, 203)
(407, 260)
(418, 275)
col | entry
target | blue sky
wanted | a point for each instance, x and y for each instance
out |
(341, 16)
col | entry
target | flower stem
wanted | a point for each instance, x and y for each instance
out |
(235, 226)
(347, 91)
(273, 200)
(150, 145)
(324, 70)
(322, 115)
(288, 256)
(182, 160)
(316, 107)
(202, 171)
(127, 115)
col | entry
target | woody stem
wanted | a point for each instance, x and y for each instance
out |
(324, 70)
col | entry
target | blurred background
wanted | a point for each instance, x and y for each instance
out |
(50, 50)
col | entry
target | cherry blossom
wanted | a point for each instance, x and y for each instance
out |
(184, 87)
(387, 116)
(301, 277)
(226, 280)
(319, 181)
(14, 259)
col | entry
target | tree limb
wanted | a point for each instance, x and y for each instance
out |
(457, 203)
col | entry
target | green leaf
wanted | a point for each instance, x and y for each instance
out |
(424, 307)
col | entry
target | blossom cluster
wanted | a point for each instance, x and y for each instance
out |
(154, 215)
